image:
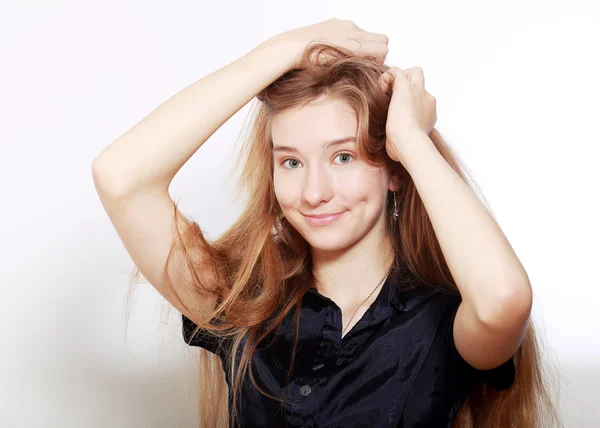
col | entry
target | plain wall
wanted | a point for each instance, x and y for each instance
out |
(517, 96)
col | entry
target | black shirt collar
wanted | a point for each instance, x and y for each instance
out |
(400, 291)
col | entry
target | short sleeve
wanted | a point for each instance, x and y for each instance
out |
(500, 378)
(202, 338)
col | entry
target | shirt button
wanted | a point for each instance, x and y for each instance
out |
(318, 366)
(305, 390)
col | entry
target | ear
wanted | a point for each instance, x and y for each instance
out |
(396, 180)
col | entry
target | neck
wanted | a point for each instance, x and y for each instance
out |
(349, 275)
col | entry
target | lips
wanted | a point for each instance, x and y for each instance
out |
(322, 219)
(322, 215)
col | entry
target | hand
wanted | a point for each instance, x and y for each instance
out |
(343, 33)
(412, 109)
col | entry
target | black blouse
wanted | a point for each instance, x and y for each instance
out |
(397, 367)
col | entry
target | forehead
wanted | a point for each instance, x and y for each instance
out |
(307, 127)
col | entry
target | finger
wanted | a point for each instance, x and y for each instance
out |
(377, 37)
(382, 38)
(366, 48)
(386, 80)
(416, 77)
(381, 50)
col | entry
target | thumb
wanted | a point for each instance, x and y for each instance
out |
(387, 79)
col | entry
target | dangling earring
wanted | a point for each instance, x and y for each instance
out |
(395, 215)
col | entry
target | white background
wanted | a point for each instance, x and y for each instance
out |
(517, 89)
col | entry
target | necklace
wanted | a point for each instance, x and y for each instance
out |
(380, 282)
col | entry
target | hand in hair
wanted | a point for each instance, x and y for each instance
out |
(412, 109)
(343, 33)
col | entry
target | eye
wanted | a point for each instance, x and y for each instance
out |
(294, 163)
(290, 160)
(347, 156)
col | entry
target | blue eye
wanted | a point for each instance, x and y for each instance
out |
(348, 155)
(293, 160)
(296, 163)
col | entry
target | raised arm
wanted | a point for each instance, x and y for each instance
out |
(132, 175)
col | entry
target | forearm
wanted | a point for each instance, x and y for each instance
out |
(152, 152)
(483, 264)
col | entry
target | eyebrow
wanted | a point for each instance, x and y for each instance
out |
(324, 146)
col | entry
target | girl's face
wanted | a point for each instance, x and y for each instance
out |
(317, 172)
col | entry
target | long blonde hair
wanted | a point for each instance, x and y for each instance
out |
(260, 267)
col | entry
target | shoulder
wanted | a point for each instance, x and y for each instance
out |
(203, 338)
(432, 311)
(445, 305)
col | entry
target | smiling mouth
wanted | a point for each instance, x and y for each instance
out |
(323, 219)
(322, 215)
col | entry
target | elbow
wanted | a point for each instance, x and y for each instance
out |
(105, 179)
(510, 307)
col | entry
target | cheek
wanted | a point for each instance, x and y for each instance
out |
(365, 188)
(285, 192)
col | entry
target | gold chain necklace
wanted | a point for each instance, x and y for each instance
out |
(380, 282)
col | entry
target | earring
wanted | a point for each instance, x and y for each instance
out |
(395, 215)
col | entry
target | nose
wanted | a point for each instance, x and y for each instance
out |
(317, 186)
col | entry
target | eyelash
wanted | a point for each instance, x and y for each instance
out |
(339, 154)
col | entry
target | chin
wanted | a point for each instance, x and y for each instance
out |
(327, 247)
(336, 241)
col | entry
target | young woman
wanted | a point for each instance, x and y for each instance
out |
(365, 285)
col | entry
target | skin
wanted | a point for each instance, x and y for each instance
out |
(353, 254)
(493, 317)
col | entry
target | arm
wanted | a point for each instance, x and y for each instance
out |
(168, 137)
(493, 316)
(496, 295)
(132, 175)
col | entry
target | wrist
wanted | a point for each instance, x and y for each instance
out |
(293, 42)
(401, 139)
(285, 48)
(276, 53)
(403, 146)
